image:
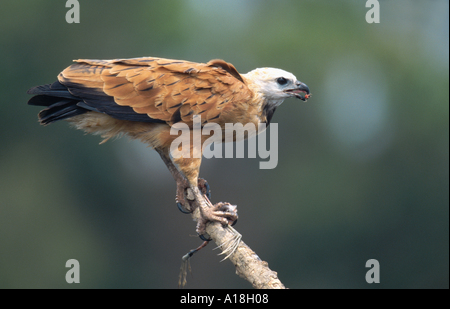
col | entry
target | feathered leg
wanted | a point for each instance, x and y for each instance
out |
(222, 212)
(181, 181)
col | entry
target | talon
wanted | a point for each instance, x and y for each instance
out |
(208, 191)
(182, 209)
(202, 237)
(224, 213)
(204, 188)
(229, 212)
(181, 198)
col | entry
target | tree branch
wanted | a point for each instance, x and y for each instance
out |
(248, 264)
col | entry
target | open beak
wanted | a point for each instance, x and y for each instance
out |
(301, 91)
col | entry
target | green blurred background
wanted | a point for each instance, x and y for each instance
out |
(363, 170)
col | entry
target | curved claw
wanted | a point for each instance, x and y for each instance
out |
(182, 209)
(202, 237)
(234, 222)
(208, 190)
(204, 187)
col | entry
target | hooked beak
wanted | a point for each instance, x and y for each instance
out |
(301, 91)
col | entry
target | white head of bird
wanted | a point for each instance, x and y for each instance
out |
(275, 85)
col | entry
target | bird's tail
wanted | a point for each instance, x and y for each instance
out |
(60, 103)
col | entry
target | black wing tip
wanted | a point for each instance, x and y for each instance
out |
(60, 103)
(39, 89)
(48, 116)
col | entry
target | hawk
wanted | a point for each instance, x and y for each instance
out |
(144, 97)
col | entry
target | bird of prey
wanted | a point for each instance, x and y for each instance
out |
(144, 97)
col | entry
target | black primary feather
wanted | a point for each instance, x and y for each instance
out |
(62, 103)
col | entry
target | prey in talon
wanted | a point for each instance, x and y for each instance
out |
(225, 213)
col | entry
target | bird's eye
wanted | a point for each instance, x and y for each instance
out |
(282, 81)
